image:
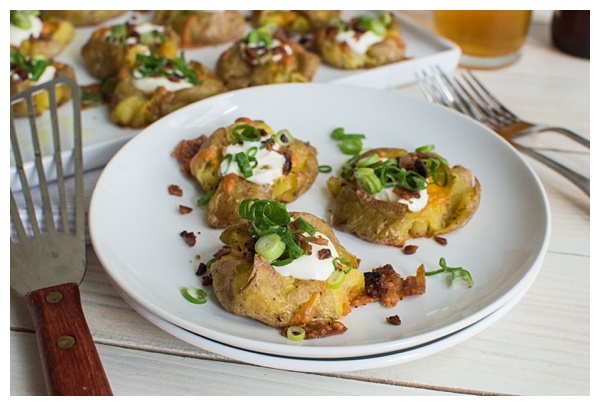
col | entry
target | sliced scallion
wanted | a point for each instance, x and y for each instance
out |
(284, 137)
(269, 246)
(296, 333)
(305, 226)
(194, 295)
(244, 164)
(336, 279)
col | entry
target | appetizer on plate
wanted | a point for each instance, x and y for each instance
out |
(249, 160)
(287, 270)
(44, 36)
(264, 57)
(300, 25)
(388, 196)
(157, 86)
(365, 41)
(26, 72)
(81, 18)
(111, 48)
(203, 27)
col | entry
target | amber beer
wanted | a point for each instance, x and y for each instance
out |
(488, 38)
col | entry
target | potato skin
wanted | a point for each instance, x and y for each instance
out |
(202, 28)
(102, 59)
(238, 73)
(81, 18)
(255, 289)
(56, 35)
(390, 223)
(230, 190)
(130, 107)
(41, 100)
(300, 21)
(390, 49)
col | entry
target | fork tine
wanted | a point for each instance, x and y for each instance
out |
(491, 96)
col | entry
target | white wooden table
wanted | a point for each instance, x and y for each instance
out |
(541, 347)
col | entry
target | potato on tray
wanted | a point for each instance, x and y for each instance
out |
(388, 196)
(199, 28)
(264, 57)
(26, 72)
(157, 86)
(249, 160)
(111, 48)
(43, 36)
(366, 41)
(82, 18)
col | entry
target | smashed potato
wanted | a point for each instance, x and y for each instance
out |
(263, 58)
(287, 169)
(422, 196)
(365, 41)
(82, 18)
(203, 27)
(248, 284)
(33, 35)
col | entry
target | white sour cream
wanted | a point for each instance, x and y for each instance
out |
(47, 76)
(414, 205)
(361, 44)
(310, 266)
(18, 35)
(269, 162)
(150, 84)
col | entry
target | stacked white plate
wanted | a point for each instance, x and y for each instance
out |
(135, 228)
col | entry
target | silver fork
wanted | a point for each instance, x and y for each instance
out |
(472, 98)
(47, 253)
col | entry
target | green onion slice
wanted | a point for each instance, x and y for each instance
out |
(456, 273)
(245, 132)
(269, 246)
(325, 168)
(336, 279)
(342, 265)
(205, 198)
(244, 164)
(426, 148)
(284, 137)
(296, 333)
(194, 295)
(305, 226)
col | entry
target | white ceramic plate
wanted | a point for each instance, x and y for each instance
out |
(101, 138)
(135, 224)
(330, 365)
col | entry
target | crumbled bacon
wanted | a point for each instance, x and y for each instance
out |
(202, 268)
(189, 238)
(320, 330)
(186, 150)
(207, 280)
(395, 320)
(317, 239)
(440, 240)
(410, 249)
(222, 252)
(324, 253)
(175, 190)
(184, 209)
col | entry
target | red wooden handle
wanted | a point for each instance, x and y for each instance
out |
(71, 363)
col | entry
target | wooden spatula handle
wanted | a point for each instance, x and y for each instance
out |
(71, 363)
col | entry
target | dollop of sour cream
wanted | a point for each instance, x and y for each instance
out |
(150, 84)
(47, 76)
(269, 162)
(359, 44)
(310, 266)
(18, 35)
(415, 205)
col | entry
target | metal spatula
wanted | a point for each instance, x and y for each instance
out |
(47, 255)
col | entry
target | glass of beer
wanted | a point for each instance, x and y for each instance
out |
(488, 39)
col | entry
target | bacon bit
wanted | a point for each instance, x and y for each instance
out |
(317, 239)
(440, 240)
(189, 237)
(410, 249)
(395, 320)
(222, 252)
(324, 253)
(175, 190)
(184, 209)
(207, 280)
(186, 150)
(414, 285)
(202, 268)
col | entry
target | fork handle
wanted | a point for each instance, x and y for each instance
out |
(580, 181)
(564, 131)
(70, 360)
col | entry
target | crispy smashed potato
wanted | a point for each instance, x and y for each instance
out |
(202, 27)
(449, 205)
(388, 47)
(81, 18)
(301, 171)
(55, 36)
